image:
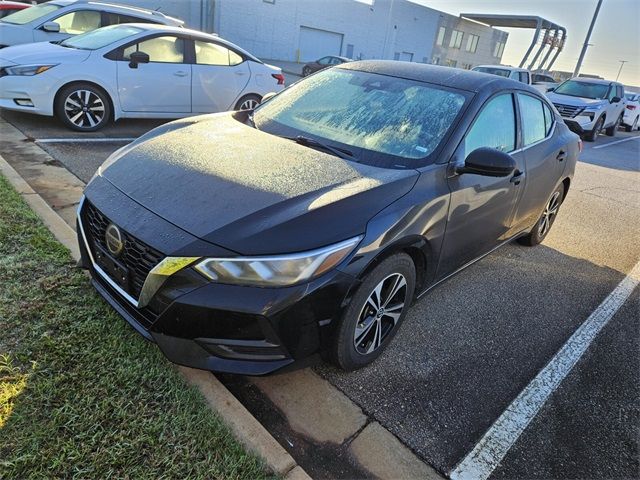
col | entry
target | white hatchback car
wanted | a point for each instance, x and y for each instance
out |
(60, 19)
(631, 119)
(133, 71)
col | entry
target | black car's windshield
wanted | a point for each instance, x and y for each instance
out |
(393, 122)
(101, 38)
(27, 15)
(576, 88)
(493, 71)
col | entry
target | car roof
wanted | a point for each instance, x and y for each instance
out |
(504, 67)
(599, 81)
(151, 27)
(439, 75)
(156, 15)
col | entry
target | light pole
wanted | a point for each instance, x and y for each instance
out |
(622, 62)
(586, 40)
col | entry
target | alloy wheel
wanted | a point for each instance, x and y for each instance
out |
(380, 313)
(249, 104)
(635, 125)
(548, 216)
(84, 108)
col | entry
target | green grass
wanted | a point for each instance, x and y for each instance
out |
(81, 394)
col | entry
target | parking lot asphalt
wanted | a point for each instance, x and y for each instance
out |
(471, 345)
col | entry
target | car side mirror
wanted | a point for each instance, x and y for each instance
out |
(615, 99)
(268, 97)
(51, 27)
(137, 58)
(488, 162)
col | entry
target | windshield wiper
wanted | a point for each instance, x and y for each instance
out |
(312, 143)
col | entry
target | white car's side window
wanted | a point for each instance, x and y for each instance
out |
(167, 49)
(208, 53)
(80, 21)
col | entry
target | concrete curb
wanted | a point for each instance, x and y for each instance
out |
(245, 427)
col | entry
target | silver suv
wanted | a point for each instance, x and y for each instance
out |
(590, 105)
(60, 19)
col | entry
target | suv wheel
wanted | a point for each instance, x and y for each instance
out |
(632, 128)
(593, 134)
(83, 107)
(375, 312)
(611, 131)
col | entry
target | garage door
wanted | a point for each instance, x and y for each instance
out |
(315, 44)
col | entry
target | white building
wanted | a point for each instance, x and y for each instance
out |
(304, 30)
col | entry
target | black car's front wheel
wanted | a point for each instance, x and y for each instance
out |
(83, 107)
(306, 71)
(375, 312)
(546, 220)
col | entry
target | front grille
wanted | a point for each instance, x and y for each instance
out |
(138, 257)
(568, 110)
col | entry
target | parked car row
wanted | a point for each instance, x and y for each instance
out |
(9, 7)
(153, 68)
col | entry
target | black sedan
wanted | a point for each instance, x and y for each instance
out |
(251, 242)
(322, 63)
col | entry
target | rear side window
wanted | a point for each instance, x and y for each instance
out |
(524, 77)
(117, 19)
(208, 53)
(620, 91)
(80, 21)
(495, 126)
(167, 49)
(548, 118)
(533, 119)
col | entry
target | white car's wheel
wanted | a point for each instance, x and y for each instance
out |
(83, 107)
(248, 102)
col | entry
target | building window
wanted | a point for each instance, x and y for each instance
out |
(435, 60)
(451, 63)
(466, 66)
(499, 49)
(472, 43)
(456, 39)
(441, 33)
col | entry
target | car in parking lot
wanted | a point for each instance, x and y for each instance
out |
(7, 7)
(322, 63)
(631, 116)
(518, 74)
(544, 81)
(590, 105)
(132, 71)
(58, 20)
(252, 241)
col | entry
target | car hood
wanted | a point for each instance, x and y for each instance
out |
(574, 101)
(249, 191)
(41, 53)
(15, 34)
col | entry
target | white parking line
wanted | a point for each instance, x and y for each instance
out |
(506, 430)
(84, 140)
(616, 142)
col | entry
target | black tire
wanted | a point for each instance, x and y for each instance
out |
(631, 128)
(593, 134)
(345, 354)
(248, 102)
(83, 107)
(611, 131)
(306, 71)
(538, 233)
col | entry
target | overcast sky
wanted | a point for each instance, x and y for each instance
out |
(616, 35)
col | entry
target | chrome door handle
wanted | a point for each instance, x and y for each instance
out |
(518, 176)
(181, 74)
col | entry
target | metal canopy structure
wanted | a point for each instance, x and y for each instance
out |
(554, 35)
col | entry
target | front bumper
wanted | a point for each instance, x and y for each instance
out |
(38, 89)
(228, 328)
(581, 124)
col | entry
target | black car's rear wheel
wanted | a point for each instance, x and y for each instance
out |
(375, 312)
(546, 220)
(83, 107)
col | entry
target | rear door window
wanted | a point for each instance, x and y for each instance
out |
(534, 127)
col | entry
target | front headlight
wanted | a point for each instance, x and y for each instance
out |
(593, 108)
(27, 70)
(278, 270)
